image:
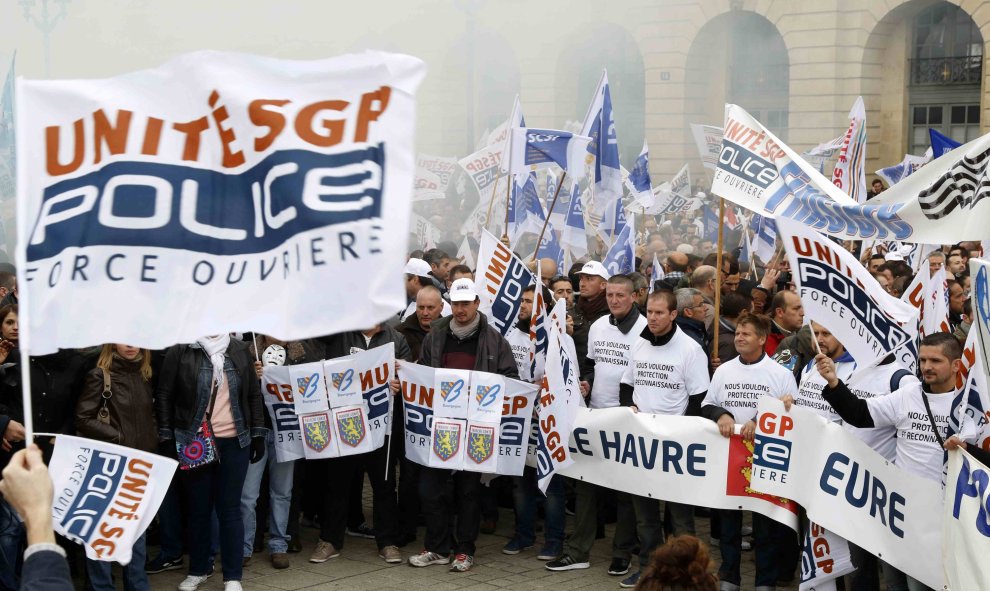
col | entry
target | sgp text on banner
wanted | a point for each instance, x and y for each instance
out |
(222, 176)
(106, 495)
(849, 489)
(942, 203)
(674, 458)
(839, 293)
(967, 523)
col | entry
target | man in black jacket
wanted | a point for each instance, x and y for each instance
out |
(464, 340)
(379, 464)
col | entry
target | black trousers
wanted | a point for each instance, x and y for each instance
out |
(439, 491)
(340, 474)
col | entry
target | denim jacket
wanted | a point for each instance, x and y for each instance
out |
(185, 387)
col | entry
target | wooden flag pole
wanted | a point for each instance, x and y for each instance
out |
(491, 201)
(718, 276)
(547, 220)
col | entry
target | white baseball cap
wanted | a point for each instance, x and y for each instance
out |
(594, 268)
(462, 290)
(417, 267)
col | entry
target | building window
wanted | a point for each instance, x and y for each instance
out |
(960, 122)
(947, 47)
(759, 72)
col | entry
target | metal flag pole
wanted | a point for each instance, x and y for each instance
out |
(547, 220)
(718, 276)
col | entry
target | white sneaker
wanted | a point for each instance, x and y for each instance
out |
(232, 586)
(192, 582)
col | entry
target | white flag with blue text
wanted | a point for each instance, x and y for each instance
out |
(621, 258)
(639, 183)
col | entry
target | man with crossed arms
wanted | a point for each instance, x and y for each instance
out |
(667, 375)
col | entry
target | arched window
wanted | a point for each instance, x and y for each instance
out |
(759, 73)
(946, 68)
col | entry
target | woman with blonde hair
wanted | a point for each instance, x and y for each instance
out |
(116, 406)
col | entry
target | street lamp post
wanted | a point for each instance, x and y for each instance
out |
(45, 22)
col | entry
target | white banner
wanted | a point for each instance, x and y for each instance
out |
(106, 495)
(433, 175)
(839, 293)
(674, 458)
(966, 523)
(708, 138)
(942, 203)
(850, 489)
(427, 234)
(482, 168)
(276, 387)
(460, 444)
(221, 176)
(353, 417)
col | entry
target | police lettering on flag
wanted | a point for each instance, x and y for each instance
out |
(234, 181)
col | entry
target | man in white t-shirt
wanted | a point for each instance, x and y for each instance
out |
(877, 381)
(610, 339)
(668, 375)
(920, 413)
(735, 390)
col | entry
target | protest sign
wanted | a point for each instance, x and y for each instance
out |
(708, 138)
(222, 176)
(276, 387)
(966, 523)
(106, 495)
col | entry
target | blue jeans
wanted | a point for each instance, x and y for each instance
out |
(730, 543)
(526, 495)
(135, 578)
(217, 487)
(12, 540)
(280, 497)
(170, 523)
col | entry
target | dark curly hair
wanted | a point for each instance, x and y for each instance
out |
(682, 564)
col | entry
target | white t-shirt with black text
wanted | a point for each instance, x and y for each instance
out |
(873, 383)
(610, 350)
(664, 376)
(809, 394)
(519, 343)
(737, 387)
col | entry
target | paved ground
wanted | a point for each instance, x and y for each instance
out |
(358, 568)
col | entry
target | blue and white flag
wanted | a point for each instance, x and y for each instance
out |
(745, 246)
(558, 399)
(656, 273)
(621, 257)
(526, 213)
(941, 144)
(573, 236)
(599, 125)
(764, 237)
(534, 148)
(613, 222)
(709, 217)
(639, 183)
(903, 169)
(538, 330)
(549, 247)
(499, 279)
(220, 219)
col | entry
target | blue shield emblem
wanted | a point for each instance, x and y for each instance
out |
(316, 431)
(450, 391)
(446, 439)
(350, 427)
(481, 443)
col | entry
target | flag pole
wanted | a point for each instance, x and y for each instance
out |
(491, 201)
(547, 220)
(508, 188)
(718, 276)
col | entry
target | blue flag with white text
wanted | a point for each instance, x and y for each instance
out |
(621, 257)
(599, 125)
(941, 144)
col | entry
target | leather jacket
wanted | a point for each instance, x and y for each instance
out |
(131, 407)
(183, 393)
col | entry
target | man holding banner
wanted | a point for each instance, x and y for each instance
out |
(466, 341)
(735, 390)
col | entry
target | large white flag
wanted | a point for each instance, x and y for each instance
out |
(106, 495)
(839, 293)
(941, 203)
(500, 279)
(223, 177)
(708, 138)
